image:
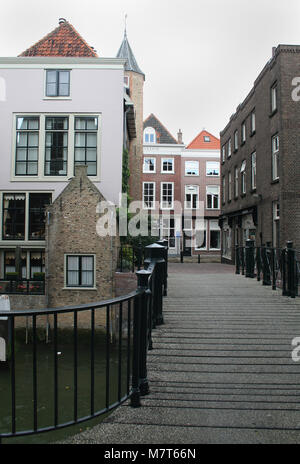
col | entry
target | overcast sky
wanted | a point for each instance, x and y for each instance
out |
(200, 58)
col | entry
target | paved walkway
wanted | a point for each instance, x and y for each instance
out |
(221, 369)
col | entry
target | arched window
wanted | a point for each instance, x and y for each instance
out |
(149, 135)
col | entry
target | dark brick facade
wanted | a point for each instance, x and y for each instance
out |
(252, 214)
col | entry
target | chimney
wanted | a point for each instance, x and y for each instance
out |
(179, 136)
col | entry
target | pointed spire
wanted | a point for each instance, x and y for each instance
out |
(126, 53)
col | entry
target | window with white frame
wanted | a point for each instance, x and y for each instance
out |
(276, 229)
(32, 262)
(149, 135)
(275, 157)
(212, 168)
(212, 196)
(57, 83)
(168, 231)
(243, 132)
(149, 164)
(80, 271)
(23, 215)
(167, 195)
(229, 186)
(191, 196)
(253, 170)
(252, 122)
(243, 177)
(201, 236)
(50, 145)
(27, 146)
(167, 165)
(229, 149)
(86, 129)
(236, 140)
(206, 138)
(223, 153)
(192, 168)
(236, 181)
(274, 97)
(148, 195)
(214, 235)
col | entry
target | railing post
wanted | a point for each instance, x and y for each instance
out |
(155, 253)
(283, 272)
(273, 265)
(249, 258)
(143, 277)
(290, 269)
(266, 268)
(164, 243)
(135, 395)
(237, 260)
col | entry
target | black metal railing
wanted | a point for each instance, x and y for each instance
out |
(134, 316)
(22, 287)
(276, 267)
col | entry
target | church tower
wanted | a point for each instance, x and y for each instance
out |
(134, 81)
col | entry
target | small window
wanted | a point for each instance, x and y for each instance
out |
(275, 157)
(274, 98)
(229, 186)
(212, 196)
(79, 271)
(243, 177)
(57, 83)
(223, 153)
(212, 168)
(192, 168)
(252, 122)
(149, 135)
(223, 189)
(206, 138)
(236, 140)
(149, 164)
(126, 82)
(229, 149)
(236, 182)
(243, 132)
(253, 171)
(167, 165)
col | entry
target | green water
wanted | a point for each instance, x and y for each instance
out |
(45, 385)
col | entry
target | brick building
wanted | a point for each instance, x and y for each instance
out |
(260, 170)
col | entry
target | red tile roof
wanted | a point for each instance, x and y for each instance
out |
(62, 41)
(200, 144)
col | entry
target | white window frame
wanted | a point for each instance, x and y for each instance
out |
(229, 149)
(79, 287)
(145, 171)
(214, 228)
(187, 169)
(253, 170)
(223, 189)
(212, 166)
(42, 150)
(275, 157)
(243, 177)
(162, 170)
(253, 122)
(236, 139)
(243, 132)
(223, 153)
(166, 226)
(229, 186)
(149, 132)
(153, 201)
(57, 97)
(213, 195)
(205, 223)
(194, 191)
(163, 202)
(274, 96)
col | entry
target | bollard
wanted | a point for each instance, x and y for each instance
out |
(135, 395)
(143, 278)
(249, 258)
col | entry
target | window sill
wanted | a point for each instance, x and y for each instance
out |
(149, 172)
(243, 143)
(57, 98)
(275, 181)
(252, 133)
(243, 195)
(79, 288)
(167, 172)
(235, 150)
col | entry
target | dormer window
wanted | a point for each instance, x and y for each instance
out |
(149, 135)
(206, 138)
(57, 83)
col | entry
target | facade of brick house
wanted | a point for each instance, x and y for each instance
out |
(62, 112)
(260, 159)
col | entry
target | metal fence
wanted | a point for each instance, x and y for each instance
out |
(136, 313)
(277, 267)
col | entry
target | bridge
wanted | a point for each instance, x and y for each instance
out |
(221, 368)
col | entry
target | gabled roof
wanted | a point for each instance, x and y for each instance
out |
(62, 41)
(199, 143)
(126, 53)
(162, 134)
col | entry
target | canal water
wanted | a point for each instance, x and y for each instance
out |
(45, 383)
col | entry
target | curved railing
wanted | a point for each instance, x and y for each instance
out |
(133, 316)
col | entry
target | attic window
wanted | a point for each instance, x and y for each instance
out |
(57, 83)
(206, 138)
(149, 135)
